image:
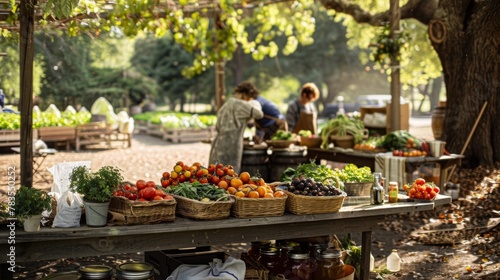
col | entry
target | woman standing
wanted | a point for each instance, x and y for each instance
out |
(232, 119)
(301, 113)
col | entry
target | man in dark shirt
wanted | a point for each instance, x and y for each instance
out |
(271, 122)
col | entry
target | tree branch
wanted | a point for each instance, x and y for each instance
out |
(421, 10)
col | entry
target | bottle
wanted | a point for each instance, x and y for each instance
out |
(393, 192)
(394, 261)
(372, 262)
(377, 191)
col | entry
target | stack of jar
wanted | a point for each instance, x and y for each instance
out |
(288, 260)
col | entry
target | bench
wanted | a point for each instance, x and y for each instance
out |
(59, 135)
(91, 134)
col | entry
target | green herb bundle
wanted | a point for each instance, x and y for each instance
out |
(199, 191)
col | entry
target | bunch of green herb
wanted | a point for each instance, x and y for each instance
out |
(95, 186)
(199, 191)
(320, 173)
(31, 201)
(352, 174)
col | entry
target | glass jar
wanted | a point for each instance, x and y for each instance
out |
(254, 250)
(99, 272)
(330, 265)
(315, 249)
(299, 266)
(393, 192)
(270, 259)
(135, 271)
(287, 246)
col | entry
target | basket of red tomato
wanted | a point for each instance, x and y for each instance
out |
(142, 203)
(420, 189)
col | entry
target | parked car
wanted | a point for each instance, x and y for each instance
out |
(374, 100)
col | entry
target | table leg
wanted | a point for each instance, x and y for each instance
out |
(366, 242)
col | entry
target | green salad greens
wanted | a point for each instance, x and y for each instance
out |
(353, 174)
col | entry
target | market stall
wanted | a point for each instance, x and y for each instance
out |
(53, 243)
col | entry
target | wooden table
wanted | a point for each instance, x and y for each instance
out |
(54, 243)
(368, 159)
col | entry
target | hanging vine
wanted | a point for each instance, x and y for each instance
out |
(389, 49)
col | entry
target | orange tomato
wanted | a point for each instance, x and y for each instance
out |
(268, 195)
(231, 190)
(222, 185)
(262, 191)
(279, 194)
(240, 194)
(236, 182)
(253, 194)
(245, 177)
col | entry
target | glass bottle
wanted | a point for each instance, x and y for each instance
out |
(394, 261)
(330, 265)
(393, 192)
(299, 266)
(377, 191)
(270, 259)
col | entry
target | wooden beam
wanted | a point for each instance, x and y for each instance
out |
(395, 65)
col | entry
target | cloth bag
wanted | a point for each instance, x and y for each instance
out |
(69, 210)
(231, 269)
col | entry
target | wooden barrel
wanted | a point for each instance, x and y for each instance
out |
(437, 121)
(255, 161)
(282, 159)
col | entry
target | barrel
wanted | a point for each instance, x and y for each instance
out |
(255, 161)
(437, 121)
(282, 159)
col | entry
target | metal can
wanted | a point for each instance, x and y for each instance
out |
(135, 271)
(100, 272)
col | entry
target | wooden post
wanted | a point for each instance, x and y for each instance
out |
(395, 74)
(27, 20)
(219, 69)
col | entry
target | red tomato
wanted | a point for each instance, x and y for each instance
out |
(142, 200)
(165, 183)
(148, 193)
(160, 193)
(420, 181)
(182, 178)
(199, 173)
(126, 186)
(215, 180)
(157, 198)
(132, 189)
(432, 194)
(203, 180)
(166, 175)
(220, 172)
(150, 184)
(140, 184)
(436, 190)
(168, 197)
(428, 188)
(211, 168)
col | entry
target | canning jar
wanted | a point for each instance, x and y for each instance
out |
(299, 266)
(254, 250)
(330, 265)
(270, 259)
(285, 247)
(315, 249)
(135, 271)
(98, 272)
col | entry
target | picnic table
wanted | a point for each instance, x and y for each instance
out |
(54, 243)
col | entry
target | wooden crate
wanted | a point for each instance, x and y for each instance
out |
(186, 135)
(92, 133)
(60, 135)
(404, 114)
(10, 138)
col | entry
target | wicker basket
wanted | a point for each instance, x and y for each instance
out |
(311, 142)
(135, 212)
(211, 210)
(301, 204)
(258, 207)
(357, 189)
(281, 144)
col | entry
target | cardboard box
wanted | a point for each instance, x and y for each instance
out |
(165, 262)
(404, 115)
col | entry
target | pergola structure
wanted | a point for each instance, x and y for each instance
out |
(30, 13)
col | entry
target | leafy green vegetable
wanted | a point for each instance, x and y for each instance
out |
(320, 173)
(43, 119)
(198, 191)
(304, 133)
(342, 125)
(352, 174)
(397, 140)
(282, 135)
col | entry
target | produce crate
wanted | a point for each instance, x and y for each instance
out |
(301, 204)
(165, 262)
(186, 135)
(10, 138)
(199, 210)
(128, 212)
(258, 207)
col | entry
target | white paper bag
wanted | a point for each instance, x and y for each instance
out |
(61, 172)
(69, 210)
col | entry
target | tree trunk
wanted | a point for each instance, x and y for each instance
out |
(466, 39)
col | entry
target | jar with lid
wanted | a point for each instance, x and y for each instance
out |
(330, 265)
(299, 266)
(393, 192)
(285, 247)
(315, 249)
(270, 259)
(254, 250)
(135, 271)
(99, 272)
(377, 192)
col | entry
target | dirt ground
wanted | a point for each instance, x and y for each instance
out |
(469, 254)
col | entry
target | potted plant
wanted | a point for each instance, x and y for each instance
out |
(97, 189)
(344, 131)
(357, 181)
(30, 203)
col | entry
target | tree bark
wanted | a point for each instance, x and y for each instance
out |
(470, 59)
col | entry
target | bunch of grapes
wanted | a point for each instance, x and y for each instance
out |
(309, 187)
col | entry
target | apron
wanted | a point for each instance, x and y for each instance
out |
(307, 121)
